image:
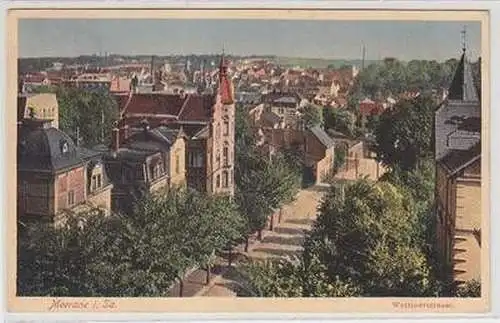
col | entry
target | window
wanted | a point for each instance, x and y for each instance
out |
(64, 147)
(217, 182)
(217, 131)
(177, 164)
(157, 170)
(225, 179)
(95, 182)
(226, 128)
(226, 156)
(71, 198)
(195, 159)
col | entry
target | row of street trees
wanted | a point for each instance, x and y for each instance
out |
(264, 182)
(140, 254)
(143, 253)
(372, 238)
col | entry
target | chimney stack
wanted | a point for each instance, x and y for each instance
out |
(115, 142)
(145, 125)
(124, 133)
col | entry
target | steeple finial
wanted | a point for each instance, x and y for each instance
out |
(464, 38)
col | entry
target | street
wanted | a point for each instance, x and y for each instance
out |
(285, 240)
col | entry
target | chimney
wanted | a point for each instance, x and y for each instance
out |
(115, 141)
(20, 88)
(124, 131)
(145, 125)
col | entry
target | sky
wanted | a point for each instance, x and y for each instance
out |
(404, 40)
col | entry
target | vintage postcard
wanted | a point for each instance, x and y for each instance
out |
(248, 160)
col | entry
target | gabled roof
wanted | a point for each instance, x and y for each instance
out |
(271, 117)
(187, 107)
(151, 103)
(157, 139)
(462, 86)
(456, 160)
(322, 136)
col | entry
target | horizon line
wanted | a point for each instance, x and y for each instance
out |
(242, 56)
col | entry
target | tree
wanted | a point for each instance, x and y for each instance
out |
(263, 184)
(87, 115)
(404, 133)
(140, 254)
(312, 115)
(470, 288)
(340, 120)
(296, 277)
(393, 77)
(365, 233)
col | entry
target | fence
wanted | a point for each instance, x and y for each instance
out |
(355, 168)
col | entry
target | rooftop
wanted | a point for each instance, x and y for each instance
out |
(456, 160)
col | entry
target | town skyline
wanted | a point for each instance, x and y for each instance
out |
(335, 40)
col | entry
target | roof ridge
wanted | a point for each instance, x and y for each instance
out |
(189, 95)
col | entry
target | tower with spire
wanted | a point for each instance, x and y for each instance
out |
(223, 132)
(458, 118)
(225, 86)
(458, 176)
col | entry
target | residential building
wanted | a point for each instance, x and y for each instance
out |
(55, 177)
(99, 82)
(143, 160)
(358, 160)
(316, 146)
(284, 105)
(458, 177)
(207, 120)
(40, 105)
(368, 108)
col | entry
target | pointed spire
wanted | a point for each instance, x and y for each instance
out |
(464, 39)
(462, 86)
(226, 90)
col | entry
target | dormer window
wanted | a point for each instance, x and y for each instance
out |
(96, 181)
(64, 147)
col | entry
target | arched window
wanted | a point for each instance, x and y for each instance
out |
(217, 182)
(226, 127)
(225, 155)
(96, 179)
(217, 158)
(225, 179)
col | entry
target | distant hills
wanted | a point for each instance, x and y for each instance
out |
(320, 62)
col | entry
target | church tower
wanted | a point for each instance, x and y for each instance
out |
(223, 132)
(458, 118)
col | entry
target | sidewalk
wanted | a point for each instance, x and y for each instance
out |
(285, 239)
(195, 282)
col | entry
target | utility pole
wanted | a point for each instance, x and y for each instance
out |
(363, 57)
(102, 125)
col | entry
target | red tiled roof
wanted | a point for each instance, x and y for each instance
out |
(142, 103)
(34, 78)
(191, 107)
(370, 108)
(226, 91)
(120, 85)
(197, 108)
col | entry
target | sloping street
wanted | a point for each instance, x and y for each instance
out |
(285, 240)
